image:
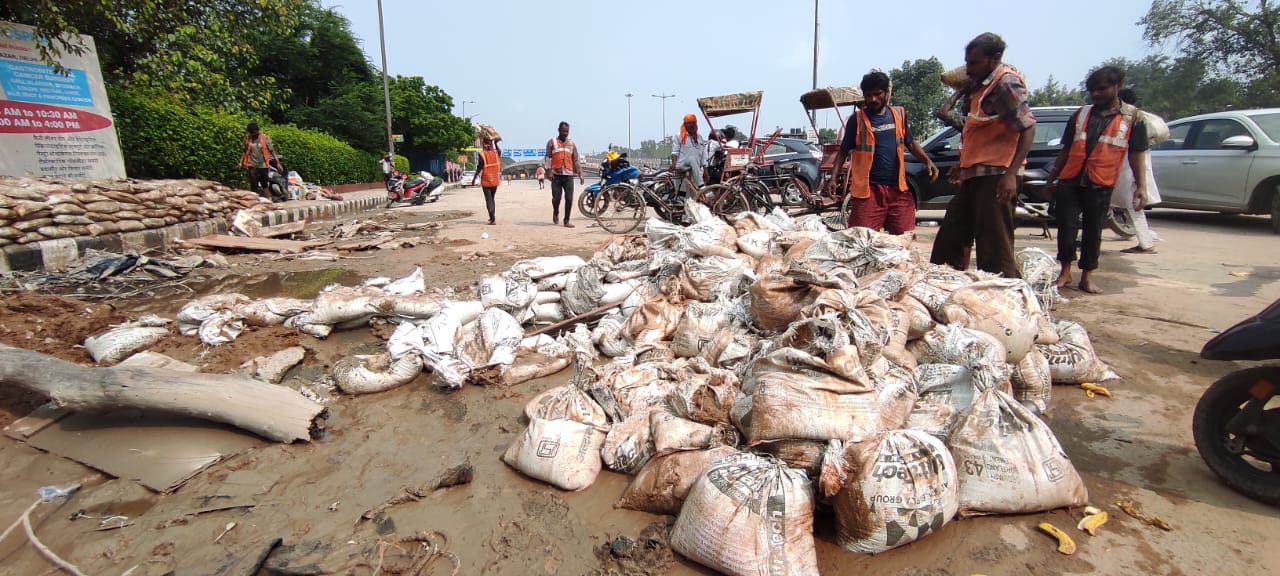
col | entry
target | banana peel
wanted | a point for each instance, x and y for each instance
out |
(1132, 509)
(1065, 544)
(1090, 389)
(1093, 518)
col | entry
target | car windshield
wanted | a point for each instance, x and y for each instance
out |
(1270, 123)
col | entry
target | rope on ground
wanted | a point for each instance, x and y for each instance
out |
(48, 494)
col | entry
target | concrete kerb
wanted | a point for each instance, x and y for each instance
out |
(60, 253)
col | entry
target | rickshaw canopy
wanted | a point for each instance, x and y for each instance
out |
(729, 104)
(830, 97)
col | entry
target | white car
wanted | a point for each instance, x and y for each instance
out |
(1226, 162)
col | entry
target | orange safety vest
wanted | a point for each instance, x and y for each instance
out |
(562, 154)
(987, 139)
(244, 158)
(864, 152)
(491, 174)
(1105, 161)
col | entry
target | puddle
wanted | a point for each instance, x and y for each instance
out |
(1249, 283)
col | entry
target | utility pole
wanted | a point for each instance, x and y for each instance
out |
(628, 95)
(664, 112)
(813, 114)
(464, 107)
(386, 90)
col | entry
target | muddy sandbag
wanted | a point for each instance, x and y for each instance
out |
(220, 328)
(1040, 271)
(1004, 308)
(757, 244)
(566, 402)
(272, 311)
(548, 313)
(863, 249)
(628, 446)
(195, 312)
(935, 286)
(804, 455)
(797, 395)
(1072, 360)
(1032, 383)
(921, 320)
(672, 433)
(343, 304)
(119, 342)
(902, 487)
(896, 391)
(661, 485)
(490, 344)
(748, 515)
(1010, 462)
(945, 391)
(542, 267)
(420, 306)
(584, 291)
(864, 316)
(654, 321)
(899, 330)
(979, 352)
(776, 301)
(640, 387)
(563, 453)
(702, 327)
(510, 291)
(366, 374)
(713, 277)
(607, 336)
(554, 283)
(709, 235)
(536, 362)
(706, 394)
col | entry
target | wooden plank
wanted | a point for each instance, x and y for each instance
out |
(263, 244)
(280, 230)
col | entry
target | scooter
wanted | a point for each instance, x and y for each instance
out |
(278, 180)
(611, 172)
(417, 190)
(1237, 420)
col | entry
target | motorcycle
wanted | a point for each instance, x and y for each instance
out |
(417, 189)
(1236, 424)
(278, 180)
(612, 172)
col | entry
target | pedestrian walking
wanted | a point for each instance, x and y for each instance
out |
(540, 174)
(561, 161)
(1095, 143)
(877, 135)
(489, 172)
(998, 130)
(1123, 197)
(257, 157)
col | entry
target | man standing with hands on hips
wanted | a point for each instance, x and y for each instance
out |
(998, 131)
(561, 162)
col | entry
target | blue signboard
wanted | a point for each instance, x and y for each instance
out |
(39, 83)
(523, 154)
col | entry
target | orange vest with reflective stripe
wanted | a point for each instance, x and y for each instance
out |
(1107, 157)
(491, 174)
(262, 144)
(864, 152)
(986, 139)
(562, 154)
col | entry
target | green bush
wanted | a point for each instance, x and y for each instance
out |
(162, 139)
(402, 163)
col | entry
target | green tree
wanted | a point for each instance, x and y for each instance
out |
(1175, 88)
(827, 135)
(1055, 93)
(423, 114)
(917, 88)
(1233, 38)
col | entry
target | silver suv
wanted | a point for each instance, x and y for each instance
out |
(1226, 162)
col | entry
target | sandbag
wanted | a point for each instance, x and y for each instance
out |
(542, 267)
(1004, 308)
(895, 392)
(864, 316)
(935, 285)
(776, 301)
(1040, 272)
(272, 311)
(654, 321)
(366, 374)
(1072, 360)
(563, 453)
(629, 444)
(979, 352)
(903, 487)
(548, 313)
(672, 433)
(757, 244)
(661, 486)
(220, 328)
(945, 392)
(343, 303)
(418, 306)
(510, 291)
(748, 515)
(536, 363)
(712, 277)
(490, 344)
(921, 320)
(119, 342)
(803, 455)
(584, 291)
(1009, 461)
(796, 395)
(554, 283)
(704, 330)
(607, 336)
(899, 330)
(1032, 384)
(864, 250)
(566, 402)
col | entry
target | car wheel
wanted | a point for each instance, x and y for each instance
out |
(1118, 221)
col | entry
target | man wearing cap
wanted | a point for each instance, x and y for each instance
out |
(688, 152)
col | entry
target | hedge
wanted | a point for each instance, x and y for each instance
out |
(163, 139)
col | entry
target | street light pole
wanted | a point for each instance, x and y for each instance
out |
(664, 112)
(628, 95)
(386, 90)
(464, 107)
(813, 114)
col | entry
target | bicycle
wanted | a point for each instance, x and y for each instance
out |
(620, 208)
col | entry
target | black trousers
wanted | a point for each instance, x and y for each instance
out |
(1081, 209)
(561, 183)
(258, 180)
(490, 193)
(974, 217)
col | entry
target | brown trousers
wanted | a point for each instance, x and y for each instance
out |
(974, 216)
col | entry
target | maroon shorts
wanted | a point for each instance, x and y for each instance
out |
(887, 209)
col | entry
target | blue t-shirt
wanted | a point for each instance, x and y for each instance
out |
(884, 166)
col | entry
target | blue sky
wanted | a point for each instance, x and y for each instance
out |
(528, 65)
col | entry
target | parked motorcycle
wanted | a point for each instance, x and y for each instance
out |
(615, 171)
(278, 180)
(417, 189)
(1237, 420)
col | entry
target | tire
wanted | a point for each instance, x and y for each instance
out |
(1219, 404)
(1118, 221)
(391, 202)
(586, 204)
(724, 201)
(845, 207)
(277, 194)
(796, 192)
(619, 208)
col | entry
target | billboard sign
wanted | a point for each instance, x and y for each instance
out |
(54, 124)
(523, 154)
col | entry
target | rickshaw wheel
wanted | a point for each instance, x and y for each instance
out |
(619, 208)
(724, 201)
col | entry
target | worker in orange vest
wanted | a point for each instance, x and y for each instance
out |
(489, 172)
(998, 130)
(561, 162)
(257, 157)
(1095, 144)
(877, 134)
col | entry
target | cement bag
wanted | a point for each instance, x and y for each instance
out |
(672, 433)
(629, 444)
(796, 395)
(661, 486)
(863, 315)
(563, 453)
(272, 311)
(748, 515)
(625, 248)
(366, 374)
(1040, 271)
(194, 313)
(639, 387)
(1010, 462)
(607, 336)
(553, 283)
(945, 391)
(827, 338)
(617, 293)
(707, 395)
(510, 291)
(585, 289)
(895, 391)
(420, 306)
(776, 301)
(921, 320)
(936, 285)
(811, 223)
(1004, 308)
(890, 284)
(344, 304)
(566, 403)
(979, 352)
(653, 321)
(536, 362)
(539, 268)
(549, 313)
(757, 244)
(903, 488)
(119, 342)
(803, 455)
(702, 326)
(490, 344)
(709, 235)
(899, 329)
(1032, 384)
(862, 249)
(220, 328)
(712, 277)
(1072, 360)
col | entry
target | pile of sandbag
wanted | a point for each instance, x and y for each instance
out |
(35, 209)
